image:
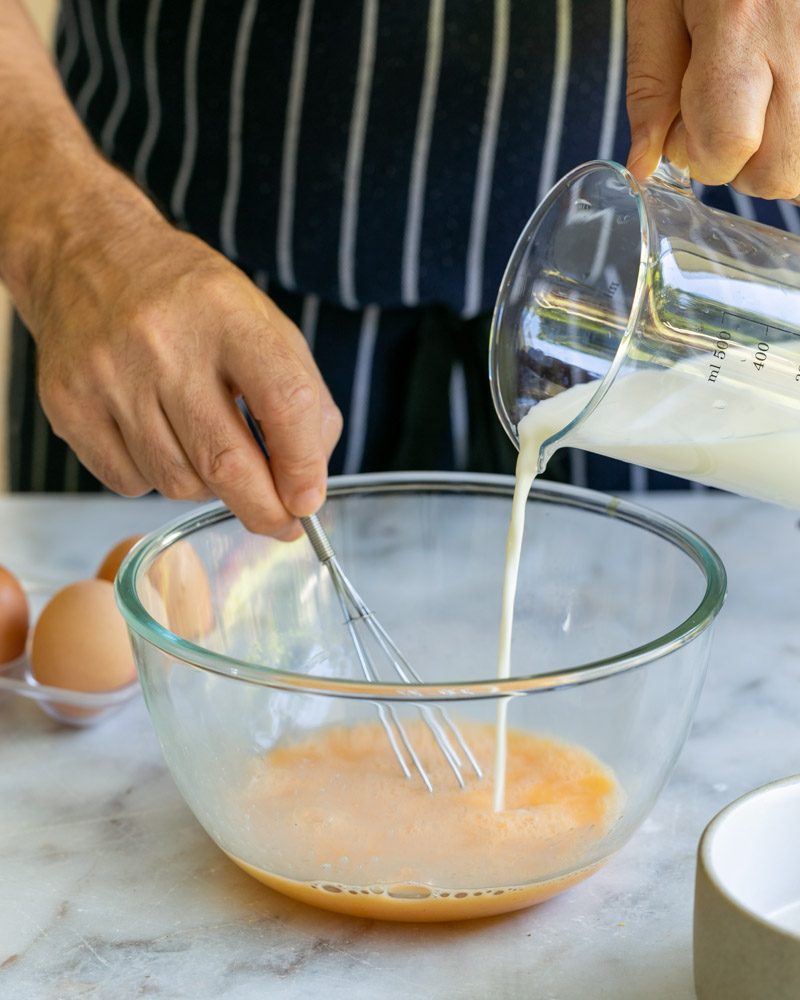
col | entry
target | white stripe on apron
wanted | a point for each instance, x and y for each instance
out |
(789, 215)
(93, 77)
(419, 163)
(355, 154)
(558, 97)
(189, 151)
(616, 51)
(308, 319)
(70, 27)
(151, 87)
(291, 141)
(459, 416)
(476, 247)
(230, 200)
(123, 93)
(359, 400)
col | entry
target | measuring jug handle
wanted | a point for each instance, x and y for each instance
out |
(675, 176)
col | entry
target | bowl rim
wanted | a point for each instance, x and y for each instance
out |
(705, 847)
(145, 627)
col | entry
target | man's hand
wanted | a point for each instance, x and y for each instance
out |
(145, 337)
(730, 69)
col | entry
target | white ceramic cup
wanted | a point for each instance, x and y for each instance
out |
(747, 898)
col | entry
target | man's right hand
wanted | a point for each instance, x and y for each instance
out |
(145, 338)
(145, 335)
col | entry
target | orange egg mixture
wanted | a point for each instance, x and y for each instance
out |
(343, 828)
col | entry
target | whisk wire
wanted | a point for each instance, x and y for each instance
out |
(356, 612)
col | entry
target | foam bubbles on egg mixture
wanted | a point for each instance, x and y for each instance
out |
(336, 803)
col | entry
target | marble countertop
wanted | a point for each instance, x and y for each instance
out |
(109, 888)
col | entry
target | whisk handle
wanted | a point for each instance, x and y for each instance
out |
(320, 542)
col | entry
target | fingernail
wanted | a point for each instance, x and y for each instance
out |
(307, 502)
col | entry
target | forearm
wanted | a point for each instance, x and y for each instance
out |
(56, 189)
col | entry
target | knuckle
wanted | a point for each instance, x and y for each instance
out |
(216, 286)
(57, 400)
(126, 486)
(177, 485)
(224, 466)
(334, 420)
(125, 482)
(643, 86)
(295, 396)
(300, 465)
(730, 144)
(740, 144)
(769, 184)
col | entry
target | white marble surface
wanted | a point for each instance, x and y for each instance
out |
(109, 889)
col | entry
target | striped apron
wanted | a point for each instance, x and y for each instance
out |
(369, 164)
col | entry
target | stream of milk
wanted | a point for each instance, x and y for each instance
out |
(672, 420)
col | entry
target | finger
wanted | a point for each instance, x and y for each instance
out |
(774, 170)
(332, 422)
(225, 456)
(658, 54)
(675, 145)
(104, 453)
(726, 92)
(158, 452)
(285, 399)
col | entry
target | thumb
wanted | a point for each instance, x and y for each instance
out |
(658, 54)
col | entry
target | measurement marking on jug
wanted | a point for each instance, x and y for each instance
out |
(723, 344)
(761, 356)
(720, 351)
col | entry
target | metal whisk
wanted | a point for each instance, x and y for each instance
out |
(355, 611)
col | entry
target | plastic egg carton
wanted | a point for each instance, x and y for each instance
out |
(72, 708)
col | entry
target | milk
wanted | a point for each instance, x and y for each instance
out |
(728, 434)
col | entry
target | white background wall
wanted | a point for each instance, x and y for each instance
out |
(43, 12)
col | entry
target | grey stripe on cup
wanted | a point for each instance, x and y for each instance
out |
(261, 279)
(359, 400)
(123, 93)
(230, 200)
(291, 140)
(93, 77)
(308, 319)
(616, 52)
(189, 150)
(69, 21)
(459, 416)
(473, 292)
(558, 97)
(419, 162)
(151, 90)
(355, 155)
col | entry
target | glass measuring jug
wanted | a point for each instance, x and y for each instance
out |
(635, 322)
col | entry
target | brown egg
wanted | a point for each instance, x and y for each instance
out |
(179, 578)
(80, 642)
(13, 617)
(113, 560)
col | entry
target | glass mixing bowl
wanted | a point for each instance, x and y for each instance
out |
(275, 739)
